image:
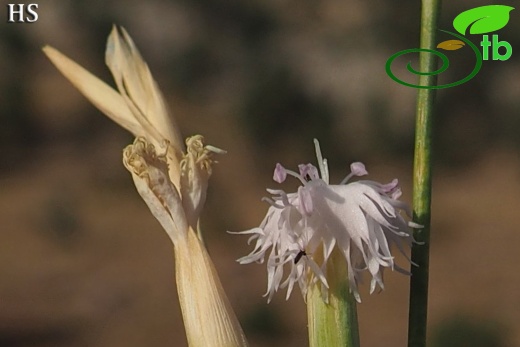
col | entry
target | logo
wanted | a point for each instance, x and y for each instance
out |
(480, 21)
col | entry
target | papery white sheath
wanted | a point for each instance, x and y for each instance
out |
(170, 177)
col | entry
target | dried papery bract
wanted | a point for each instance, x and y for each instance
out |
(150, 174)
(137, 105)
(195, 172)
(208, 316)
(170, 177)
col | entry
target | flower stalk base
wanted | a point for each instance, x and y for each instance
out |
(333, 323)
(208, 317)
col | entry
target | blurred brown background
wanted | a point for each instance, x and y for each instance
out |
(84, 263)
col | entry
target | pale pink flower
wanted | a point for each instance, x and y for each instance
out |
(362, 219)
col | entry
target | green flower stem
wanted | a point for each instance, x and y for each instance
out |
(422, 178)
(333, 324)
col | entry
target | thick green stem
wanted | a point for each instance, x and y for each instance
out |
(334, 323)
(422, 178)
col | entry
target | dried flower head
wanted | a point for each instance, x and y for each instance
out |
(171, 178)
(361, 219)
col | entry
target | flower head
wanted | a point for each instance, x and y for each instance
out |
(171, 178)
(301, 229)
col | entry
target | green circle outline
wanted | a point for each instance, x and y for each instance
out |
(445, 65)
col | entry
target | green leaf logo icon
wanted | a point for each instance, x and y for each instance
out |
(482, 20)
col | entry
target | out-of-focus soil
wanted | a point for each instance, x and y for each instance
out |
(83, 262)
